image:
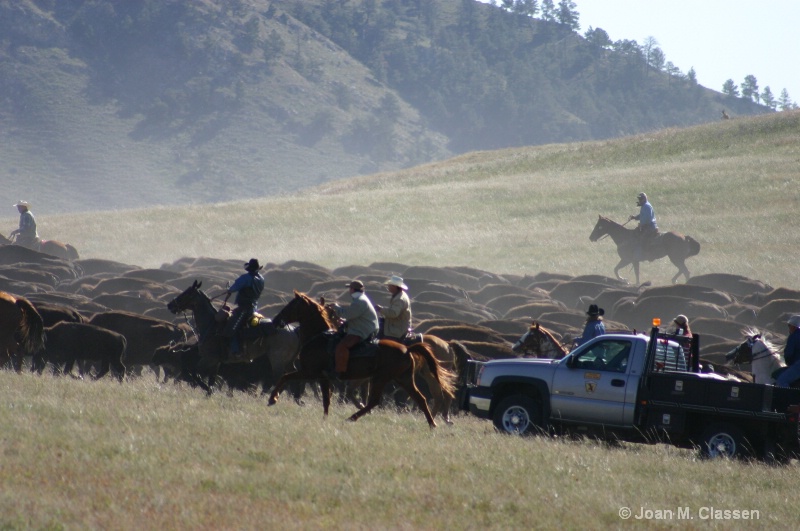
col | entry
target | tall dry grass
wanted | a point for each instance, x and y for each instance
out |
(100, 455)
(731, 185)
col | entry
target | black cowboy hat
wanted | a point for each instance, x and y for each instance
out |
(594, 310)
(252, 265)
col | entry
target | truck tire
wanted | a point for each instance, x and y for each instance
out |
(723, 440)
(518, 415)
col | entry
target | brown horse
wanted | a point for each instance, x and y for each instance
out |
(21, 329)
(392, 362)
(539, 342)
(676, 246)
(51, 247)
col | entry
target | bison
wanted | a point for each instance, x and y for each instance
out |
(68, 342)
(144, 334)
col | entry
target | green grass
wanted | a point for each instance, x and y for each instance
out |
(730, 185)
(78, 455)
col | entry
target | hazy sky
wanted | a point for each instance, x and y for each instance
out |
(721, 39)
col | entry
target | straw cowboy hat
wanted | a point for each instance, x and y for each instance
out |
(396, 281)
(681, 320)
(23, 204)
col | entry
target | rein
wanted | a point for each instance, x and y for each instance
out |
(607, 234)
(757, 355)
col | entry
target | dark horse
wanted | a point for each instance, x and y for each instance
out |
(21, 329)
(392, 362)
(676, 246)
(279, 344)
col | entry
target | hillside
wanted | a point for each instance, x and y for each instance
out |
(730, 185)
(121, 105)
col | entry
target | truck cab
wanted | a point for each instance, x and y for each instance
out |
(596, 384)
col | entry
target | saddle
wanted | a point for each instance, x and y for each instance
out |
(363, 349)
(257, 326)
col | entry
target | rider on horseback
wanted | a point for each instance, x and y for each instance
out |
(26, 233)
(248, 288)
(362, 324)
(396, 316)
(791, 354)
(648, 229)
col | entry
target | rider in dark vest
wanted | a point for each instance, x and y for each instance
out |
(248, 288)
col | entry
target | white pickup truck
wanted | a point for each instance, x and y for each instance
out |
(638, 388)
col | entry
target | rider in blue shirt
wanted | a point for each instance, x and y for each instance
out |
(248, 288)
(647, 221)
(594, 325)
(791, 354)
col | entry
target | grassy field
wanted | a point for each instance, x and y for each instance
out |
(100, 455)
(731, 185)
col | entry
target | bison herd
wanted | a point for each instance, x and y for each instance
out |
(107, 316)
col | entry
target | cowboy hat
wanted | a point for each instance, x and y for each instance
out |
(23, 203)
(252, 265)
(397, 282)
(594, 310)
(794, 321)
(681, 320)
(356, 285)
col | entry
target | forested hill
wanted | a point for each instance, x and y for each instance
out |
(111, 104)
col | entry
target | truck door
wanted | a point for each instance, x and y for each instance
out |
(593, 387)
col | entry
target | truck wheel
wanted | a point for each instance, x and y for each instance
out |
(722, 440)
(518, 414)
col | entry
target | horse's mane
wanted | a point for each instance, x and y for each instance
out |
(323, 312)
(549, 333)
(750, 332)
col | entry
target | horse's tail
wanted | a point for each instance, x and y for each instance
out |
(694, 246)
(443, 377)
(31, 327)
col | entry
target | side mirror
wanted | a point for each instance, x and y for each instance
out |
(570, 362)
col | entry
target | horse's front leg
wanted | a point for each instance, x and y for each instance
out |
(636, 271)
(288, 377)
(620, 265)
(325, 385)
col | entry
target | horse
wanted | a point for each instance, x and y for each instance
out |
(452, 357)
(279, 344)
(21, 330)
(392, 361)
(671, 244)
(760, 353)
(539, 342)
(51, 247)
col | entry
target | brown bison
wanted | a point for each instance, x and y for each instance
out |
(144, 334)
(68, 342)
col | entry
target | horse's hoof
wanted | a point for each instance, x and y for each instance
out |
(272, 401)
(449, 422)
